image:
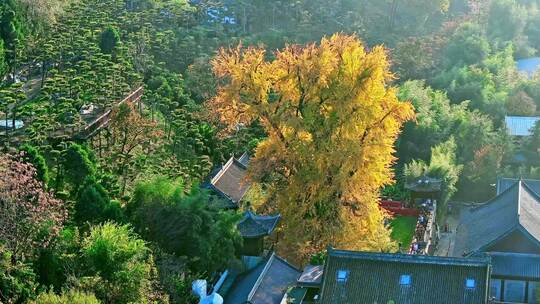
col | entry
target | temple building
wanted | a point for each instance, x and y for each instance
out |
(365, 277)
(424, 187)
(229, 181)
(520, 126)
(264, 276)
(507, 229)
(266, 282)
(254, 230)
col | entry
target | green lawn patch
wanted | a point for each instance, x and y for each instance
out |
(403, 230)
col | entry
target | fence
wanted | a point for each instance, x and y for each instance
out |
(396, 208)
(103, 120)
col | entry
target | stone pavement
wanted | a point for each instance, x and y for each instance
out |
(446, 241)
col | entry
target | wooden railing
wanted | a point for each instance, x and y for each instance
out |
(103, 120)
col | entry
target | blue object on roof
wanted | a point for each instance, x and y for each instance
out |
(529, 65)
(520, 125)
(10, 125)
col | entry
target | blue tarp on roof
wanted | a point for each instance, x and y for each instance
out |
(529, 65)
(520, 125)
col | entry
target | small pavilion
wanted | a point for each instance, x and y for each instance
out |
(254, 229)
(424, 187)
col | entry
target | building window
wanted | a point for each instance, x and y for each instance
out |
(470, 283)
(514, 291)
(534, 289)
(495, 289)
(405, 279)
(342, 276)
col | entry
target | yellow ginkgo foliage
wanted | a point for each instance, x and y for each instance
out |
(331, 119)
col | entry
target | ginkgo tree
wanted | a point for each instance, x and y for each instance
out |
(332, 118)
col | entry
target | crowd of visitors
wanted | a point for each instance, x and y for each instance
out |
(420, 242)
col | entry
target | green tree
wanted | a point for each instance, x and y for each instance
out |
(33, 156)
(78, 164)
(12, 33)
(521, 104)
(506, 20)
(481, 147)
(17, 280)
(58, 264)
(117, 265)
(476, 84)
(531, 147)
(69, 297)
(188, 225)
(435, 121)
(94, 205)
(468, 45)
(442, 165)
(11, 99)
(110, 39)
(3, 63)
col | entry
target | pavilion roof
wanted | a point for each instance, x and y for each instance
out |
(253, 225)
(424, 184)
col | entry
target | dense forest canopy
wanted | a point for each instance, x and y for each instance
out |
(333, 122)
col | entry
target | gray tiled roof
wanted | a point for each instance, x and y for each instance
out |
(266, 284)
(375, 278)
(504, 183)
(517, 208)
(253, 225)
(230, 181)
(515, 265)
(242, 286)
(520, 125)
(275, 281)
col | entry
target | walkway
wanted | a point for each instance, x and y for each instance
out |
(446, 240)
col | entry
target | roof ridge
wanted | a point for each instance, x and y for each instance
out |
(261, 276)
(406, 257)
(491, 200)
(499, 253)
(239, 163)
(222, 171)
(277, 219)
(247, 215)
(516, 179)
(498, 238)
(531, 191)
(256, 218)
(245, 219)
(528, 234)
(519, 199)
